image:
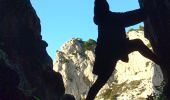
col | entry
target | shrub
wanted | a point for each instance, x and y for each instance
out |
(149, 45)
(117, 89)
(131, 29)
(64, 60)
(141, 28)
(89, 44)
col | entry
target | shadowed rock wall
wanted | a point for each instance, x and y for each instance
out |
(26, 70)
(157, 29)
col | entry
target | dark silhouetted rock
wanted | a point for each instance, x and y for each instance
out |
(157, 29)
(68, 97)
(25, 65)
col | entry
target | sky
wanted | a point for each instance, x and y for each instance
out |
(62, 20)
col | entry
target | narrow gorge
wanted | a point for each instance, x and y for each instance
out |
(27, 72)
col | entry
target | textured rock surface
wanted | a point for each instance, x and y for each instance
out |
(25, 67)
(131, 81)
(157, 28)
(75, 64)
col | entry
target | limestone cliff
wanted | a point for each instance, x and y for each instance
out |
(75, 63)
(134, 80)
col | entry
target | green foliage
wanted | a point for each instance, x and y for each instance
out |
(147, 64)
(131, 29)
(112, 93)
(73, 53)
(149, 45)
(158, 96)
(107, 94)
(64, 60)
(141, 28)
(77, 40)
(161, 97)
(89, 44)
(160, 88)
(116, 89)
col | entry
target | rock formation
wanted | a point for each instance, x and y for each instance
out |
(157, 28)
(75, 63)
(26, 70)
(134, 80)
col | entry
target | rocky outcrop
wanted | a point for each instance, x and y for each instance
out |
(134, 80)
(158, 31)
(26, 70)
(75, 63)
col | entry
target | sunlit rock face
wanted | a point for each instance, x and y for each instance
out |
(134, 80)
(139, 77)
(75, 64)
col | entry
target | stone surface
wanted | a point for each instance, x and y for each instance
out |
(24, 62)
(133, 80)
(158, 31)
(74, 63)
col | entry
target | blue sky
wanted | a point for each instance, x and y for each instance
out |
(62, 20)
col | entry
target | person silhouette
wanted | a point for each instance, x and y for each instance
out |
(112, 43)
